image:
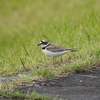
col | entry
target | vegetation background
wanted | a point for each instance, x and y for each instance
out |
(24, 23)
(69, 23)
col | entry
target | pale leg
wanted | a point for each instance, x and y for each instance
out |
(61, 59)
(54, 61)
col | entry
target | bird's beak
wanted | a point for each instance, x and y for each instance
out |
(39, 44)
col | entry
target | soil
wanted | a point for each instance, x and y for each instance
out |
(77, 86)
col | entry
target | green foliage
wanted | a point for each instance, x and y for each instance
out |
(72, 24)
(19, 95)
(44, 72)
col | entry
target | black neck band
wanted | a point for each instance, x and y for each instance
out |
(46, 46)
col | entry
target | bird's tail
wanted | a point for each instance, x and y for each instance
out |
(72, 50)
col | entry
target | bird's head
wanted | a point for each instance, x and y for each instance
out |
(43, 43)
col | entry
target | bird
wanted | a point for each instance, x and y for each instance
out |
(53, 50)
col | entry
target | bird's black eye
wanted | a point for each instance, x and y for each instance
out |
(41, 41)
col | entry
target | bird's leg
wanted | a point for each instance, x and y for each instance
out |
(68, 58)
(54, 61)
(61, 59)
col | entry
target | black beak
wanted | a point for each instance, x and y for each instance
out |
(39, 44)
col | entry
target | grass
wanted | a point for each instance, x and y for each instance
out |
(18, 95)
(72, 24)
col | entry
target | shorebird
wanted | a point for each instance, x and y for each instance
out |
(53, 50)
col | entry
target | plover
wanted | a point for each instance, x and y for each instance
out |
(53, 50)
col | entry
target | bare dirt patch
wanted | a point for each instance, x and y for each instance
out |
(78, 86)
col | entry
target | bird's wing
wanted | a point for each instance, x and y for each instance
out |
(55, 48)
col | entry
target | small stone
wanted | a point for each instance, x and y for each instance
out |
(81, 80)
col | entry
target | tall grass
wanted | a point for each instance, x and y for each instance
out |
(72, 24)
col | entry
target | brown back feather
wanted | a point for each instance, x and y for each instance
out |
(55, 48)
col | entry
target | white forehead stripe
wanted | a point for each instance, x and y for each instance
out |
(44, 41)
